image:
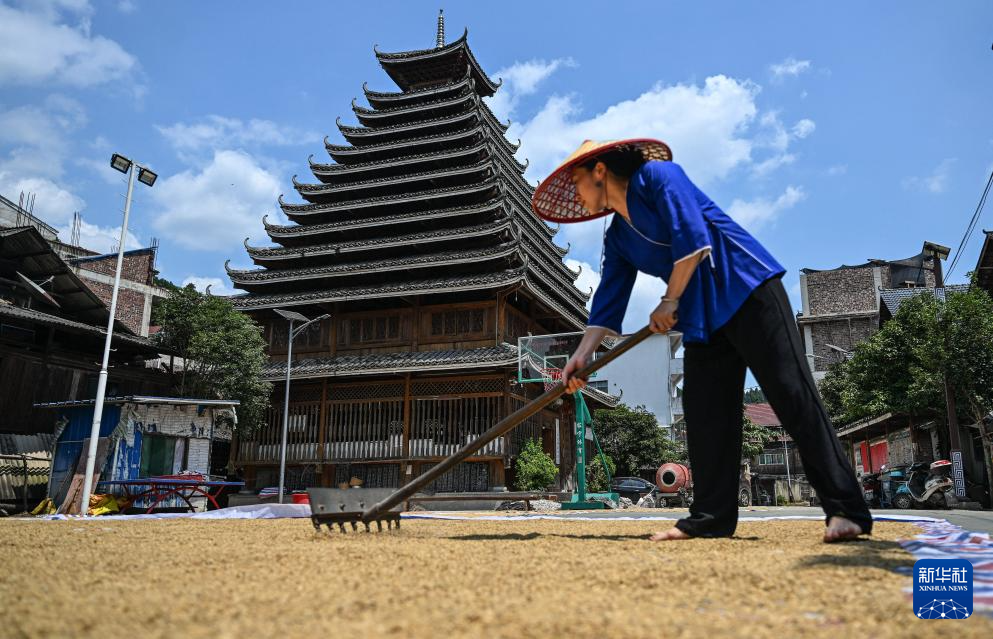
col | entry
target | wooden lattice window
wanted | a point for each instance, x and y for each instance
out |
(458, 322)
(311, 338)
(365, 330)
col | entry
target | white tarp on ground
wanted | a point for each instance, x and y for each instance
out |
(253, 511)
(295, 511)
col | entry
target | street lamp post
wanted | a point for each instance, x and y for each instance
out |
(147, 177)
(292, 317)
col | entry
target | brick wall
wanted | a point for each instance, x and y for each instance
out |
(844, 333)
(847, 290)
(137, 266)
(130, 304)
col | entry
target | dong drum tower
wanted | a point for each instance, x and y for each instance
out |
(418, 240)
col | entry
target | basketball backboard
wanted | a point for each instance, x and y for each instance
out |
(539, 357)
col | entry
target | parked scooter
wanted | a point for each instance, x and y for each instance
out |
(871, 489)
(932, 488)
(891, 479)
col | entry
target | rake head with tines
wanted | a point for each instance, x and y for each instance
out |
(336, 506)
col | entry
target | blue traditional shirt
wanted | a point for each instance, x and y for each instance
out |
(672, 220)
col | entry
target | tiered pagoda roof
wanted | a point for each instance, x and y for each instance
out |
(426, 197)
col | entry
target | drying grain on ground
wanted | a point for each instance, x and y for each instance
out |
(526, 578)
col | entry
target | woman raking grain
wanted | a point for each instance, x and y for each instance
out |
(725, 295)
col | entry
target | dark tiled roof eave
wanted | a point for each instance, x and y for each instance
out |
(401, 362)
(365, 132)
(364, 112)
(448, 258)
(249, 302)
(892, 298)
(495, 226)
(382, 200)
(414, 94)
(335, 169)
(323, 188)
(345, 150)
(61, 322)
(456, 47)
(275, 230)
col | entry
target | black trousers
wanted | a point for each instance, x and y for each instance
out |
(762, 336)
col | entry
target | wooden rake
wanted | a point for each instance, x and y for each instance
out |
(354, 506)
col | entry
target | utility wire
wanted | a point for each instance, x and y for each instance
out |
(971, 227)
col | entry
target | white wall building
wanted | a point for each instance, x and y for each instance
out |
(648, 375)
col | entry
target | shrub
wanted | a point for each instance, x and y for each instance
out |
(534, 468)
(596, 478)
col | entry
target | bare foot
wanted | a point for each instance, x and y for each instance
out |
(669, 535)
(841, 529)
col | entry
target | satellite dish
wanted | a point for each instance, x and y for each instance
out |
(36, 291)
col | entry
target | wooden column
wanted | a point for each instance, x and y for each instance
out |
(406, 417)
(415, 324)
(322, 423)
(499, 312)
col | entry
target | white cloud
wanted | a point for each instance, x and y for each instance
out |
(520, 79)
(103, 239)
(706, 126)
(216, 284)
(837, 169)
(39, 46)
(584, 239)
(589, 277)
(218, 206)
(769, 165)
(216, 131)
(43, 126)
(32, 139)
(753, 214)
(644, 297)
(53, 203)
(803, 128)
(936, 182)
(126, 6)
(789, 67)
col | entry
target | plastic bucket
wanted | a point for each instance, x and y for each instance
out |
(300, 498)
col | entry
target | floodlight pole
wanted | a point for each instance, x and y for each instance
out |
(286, 412)
(91, 453)
(286, 399)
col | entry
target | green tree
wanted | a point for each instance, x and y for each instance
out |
(902, 367)
(596, 478)
(222, 349)
(632, 438)
(754, 396)
(754, 437)
(534, 468)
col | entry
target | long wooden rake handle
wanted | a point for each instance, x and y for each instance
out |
(502, 427)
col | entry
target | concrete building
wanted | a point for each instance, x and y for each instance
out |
(841, 306)
(649, 375)
(137, 289)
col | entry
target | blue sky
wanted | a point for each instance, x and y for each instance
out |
(836, 133)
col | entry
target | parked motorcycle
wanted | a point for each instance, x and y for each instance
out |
(891, 479)
(927, 486)
(871, 489)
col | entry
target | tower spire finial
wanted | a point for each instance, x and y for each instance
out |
(440, 42)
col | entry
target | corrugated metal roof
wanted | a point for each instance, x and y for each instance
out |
(142, 399)
(15, 444)
(12, 474)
